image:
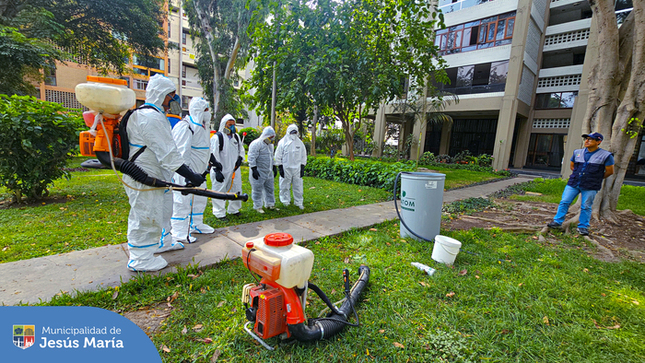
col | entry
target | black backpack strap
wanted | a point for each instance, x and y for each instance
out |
(221, 141)
(140, 151)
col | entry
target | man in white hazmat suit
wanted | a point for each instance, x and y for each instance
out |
(226, 157)
(291, 158)
(151, 143)
(167, 243)
(262, 171)
(192, 139)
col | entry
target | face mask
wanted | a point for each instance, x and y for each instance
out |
(232, 128)
(226, 131)
(268, 141)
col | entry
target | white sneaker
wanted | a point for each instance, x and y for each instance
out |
(301, 207)
(271, 207)
(202, 229)
(154, 264)
(175, 245)
(260, 210)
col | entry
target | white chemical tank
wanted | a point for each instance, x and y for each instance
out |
(107, 95)
(278, 259)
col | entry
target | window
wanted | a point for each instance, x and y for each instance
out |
(184, 36)
(485, 33)
(185, 100)
(477, 78)
(50, 76)
(183, 71)
(127, 79)
(555, 100)
(168, 65)
(169, 29)
(140, 84)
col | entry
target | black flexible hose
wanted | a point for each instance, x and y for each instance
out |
(138, 174)
(324, 328)
(324, 297)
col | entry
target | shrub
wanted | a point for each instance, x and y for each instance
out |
(330, 141)
(36, 140)
(360, 172)
(444, 159)
(427, 158)
(485, 160)
(251, 134)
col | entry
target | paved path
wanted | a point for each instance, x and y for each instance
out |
(30, 281)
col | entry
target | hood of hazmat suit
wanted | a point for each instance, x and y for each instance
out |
(192, 137)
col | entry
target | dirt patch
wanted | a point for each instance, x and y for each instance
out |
(150, 318)
(625, 239)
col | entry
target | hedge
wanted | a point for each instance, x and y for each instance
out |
(360, 172)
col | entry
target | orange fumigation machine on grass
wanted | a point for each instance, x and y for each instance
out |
(275, 306)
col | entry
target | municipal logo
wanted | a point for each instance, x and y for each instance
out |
(24, 336)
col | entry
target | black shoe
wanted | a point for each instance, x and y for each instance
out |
(237, 214)
(554, 224)
(583, 231)
(223, 219)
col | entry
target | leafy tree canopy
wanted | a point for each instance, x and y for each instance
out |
(345, 57)
(35, 33)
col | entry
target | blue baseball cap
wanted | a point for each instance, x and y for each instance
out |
(594, 135)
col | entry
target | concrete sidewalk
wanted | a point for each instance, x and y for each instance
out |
(39, 279)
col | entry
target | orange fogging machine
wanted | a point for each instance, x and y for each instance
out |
(275, 305)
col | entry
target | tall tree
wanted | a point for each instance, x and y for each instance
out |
(35, 33)
(346, 56)
(616, 104)
(220, 31)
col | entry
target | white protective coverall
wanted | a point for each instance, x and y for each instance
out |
(261, 157)
(192, 139)
(291, 154)
(150, 128)
(231, 151)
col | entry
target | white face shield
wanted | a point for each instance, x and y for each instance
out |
(206, 117)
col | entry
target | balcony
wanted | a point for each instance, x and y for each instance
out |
(560, 79)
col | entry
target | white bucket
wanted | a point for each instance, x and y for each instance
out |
(445, 249)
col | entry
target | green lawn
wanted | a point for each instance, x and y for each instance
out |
(91, 210)
(461, 177)
(631, 197)
(509, 299)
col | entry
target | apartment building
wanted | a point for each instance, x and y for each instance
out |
(177, 64)
(519, 69)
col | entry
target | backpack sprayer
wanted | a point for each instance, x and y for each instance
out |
(105, 139)
(276, 304)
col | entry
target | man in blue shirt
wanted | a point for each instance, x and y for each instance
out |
(590, 166)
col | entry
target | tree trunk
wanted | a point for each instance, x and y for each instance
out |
(206, 30)
(347, 129)
(313, 132)
(617, 94)
(626, 125)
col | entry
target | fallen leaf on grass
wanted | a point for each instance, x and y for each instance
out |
(165, 348)
(463, 272)
(115, 294)
(197, 328)
(450, 294)
(220, 304)
(215, 356)
(381, 331)
(184, 331)
(172, 297)
(192, 276)
(545, 319)
(346, 260)
(505, 331)
(312, 188)
(520, 284)
(423, 284)
(617, 326)
(399, 345)
(636, 302)
(206, 340)
(373, 229)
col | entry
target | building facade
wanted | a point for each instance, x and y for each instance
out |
(519, 71)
